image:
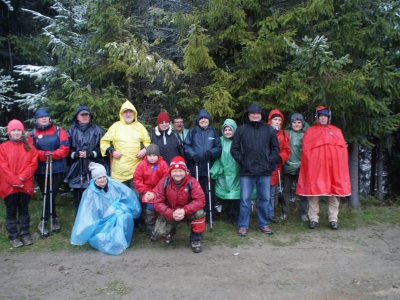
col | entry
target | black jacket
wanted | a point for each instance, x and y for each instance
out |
(169, 143)
(83, 137)
(255, 146)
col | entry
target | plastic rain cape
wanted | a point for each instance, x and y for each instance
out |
(105, 219)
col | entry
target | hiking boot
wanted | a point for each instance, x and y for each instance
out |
(266, 230)
(333, 225)
(45, 232)
(168, 239)
(304, 218)
(16, 243)
(284, 217)
(313, 224)
(196, 247)
(26, 240)
(55, 226)
(152, 237)
(242, 232)
(273, 219)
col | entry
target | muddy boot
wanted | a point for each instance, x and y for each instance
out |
(55, 227)
(26, 240)
(196, 246)
(16, 243)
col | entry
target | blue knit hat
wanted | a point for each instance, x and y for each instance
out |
(41, 112)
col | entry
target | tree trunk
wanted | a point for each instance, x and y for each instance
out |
(129, 90)
(372, 180)
(379, 160)
(354, 175)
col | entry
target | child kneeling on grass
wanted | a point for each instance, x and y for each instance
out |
(180, 196)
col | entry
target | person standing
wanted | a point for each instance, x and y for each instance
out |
(179, 196)
(84, 138)
(275, 120)
(178, 126)
(167, 140)
(124, 141)
(225, 171)
(256, 148)
(51, 142)
(18, 162)
(148, 174)
(324, 169)
(202, 148)
(297, 127)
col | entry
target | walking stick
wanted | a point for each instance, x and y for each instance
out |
(44, 196)
(280, 191)
(81, 176)
(209, 194)
(197, 171)
(51, 190)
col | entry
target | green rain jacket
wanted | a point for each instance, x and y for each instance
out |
(225, 169)
(292, 165)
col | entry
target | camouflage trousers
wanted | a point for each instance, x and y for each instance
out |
(164, 228)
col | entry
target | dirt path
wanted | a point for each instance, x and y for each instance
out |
(343, 264)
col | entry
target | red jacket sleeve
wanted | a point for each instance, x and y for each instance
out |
(198, 198)
(63, 150)
(284, 145)
(30, 169)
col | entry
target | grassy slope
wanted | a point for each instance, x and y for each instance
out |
(222, 234)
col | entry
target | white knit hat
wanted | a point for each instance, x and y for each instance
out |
(97, 170)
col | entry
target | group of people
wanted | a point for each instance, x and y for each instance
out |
(155, 181)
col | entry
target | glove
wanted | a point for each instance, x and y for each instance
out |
(207, 155)
(89, 154)
(196, 158)
(279, 161)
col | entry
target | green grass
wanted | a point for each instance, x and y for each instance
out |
(223, 234)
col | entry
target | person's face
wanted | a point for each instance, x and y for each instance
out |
(128, 116)
(43, 121)
(204, 122)
(178, 175)
(163, 125)
(228, 132)
(101, 181)
(277, 121)
(152, 158)
(83, 118)
(178, 125)
(323, 119)
(297, 125)
(15, 134)
(255, 116)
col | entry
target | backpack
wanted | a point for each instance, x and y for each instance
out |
(189, 187)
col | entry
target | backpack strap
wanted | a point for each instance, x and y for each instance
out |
(189, 187)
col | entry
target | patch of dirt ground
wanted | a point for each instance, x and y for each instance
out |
(344, 264)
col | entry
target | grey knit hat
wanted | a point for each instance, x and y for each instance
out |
(152, 149)
(97, 170)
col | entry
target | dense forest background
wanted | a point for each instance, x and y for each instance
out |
(181, 56)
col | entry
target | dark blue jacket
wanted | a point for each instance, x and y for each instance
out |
(200, 140)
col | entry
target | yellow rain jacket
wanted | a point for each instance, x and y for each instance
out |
(125, 138)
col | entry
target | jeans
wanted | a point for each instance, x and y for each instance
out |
(247, 184)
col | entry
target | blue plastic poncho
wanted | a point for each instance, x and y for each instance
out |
(105, 219)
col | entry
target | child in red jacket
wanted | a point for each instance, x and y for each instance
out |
(18, 163)
(178, 196)
(275, 119)
(147, 175)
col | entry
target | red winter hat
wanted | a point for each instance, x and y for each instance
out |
(162, 116)
(15, 124)
(178, 163)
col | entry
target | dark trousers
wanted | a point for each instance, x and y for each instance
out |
(203, 180)
(288, 180)
(78, 192)
(57, 179)
(17, 203)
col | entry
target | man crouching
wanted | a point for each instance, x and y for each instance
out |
(179, 196)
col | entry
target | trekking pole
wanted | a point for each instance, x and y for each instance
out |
(197, 171)
(111, 158)
(209, 194)
(81, 175)
(280, 191)
(44, 197)
(51, 191)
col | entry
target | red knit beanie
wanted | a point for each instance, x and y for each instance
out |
(15, 124)
(178, 163)
(162, 116)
